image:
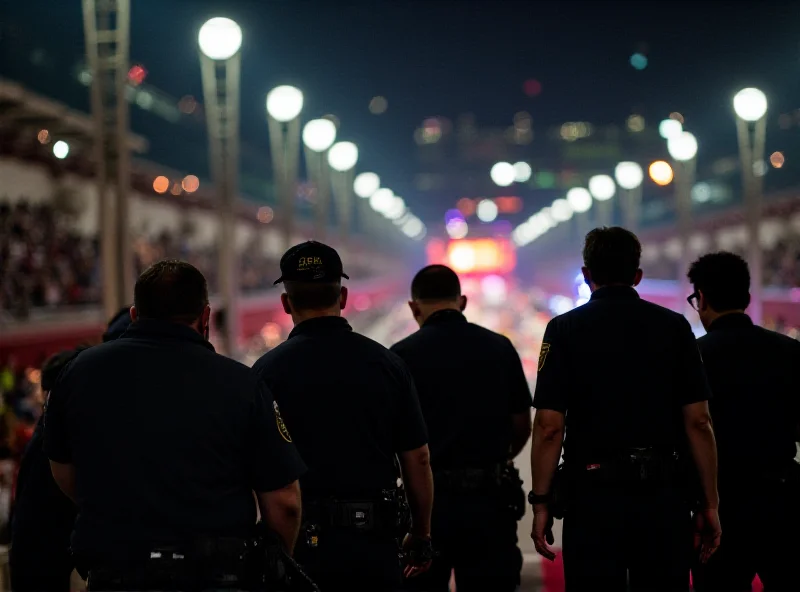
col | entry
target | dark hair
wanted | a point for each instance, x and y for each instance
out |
(313, 295)
(118, 324)
(724, 279)
(612, 255)
(435, 283)
(171, 290)
(55, 364)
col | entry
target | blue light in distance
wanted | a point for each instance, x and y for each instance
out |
(451, 215)
(639, 61)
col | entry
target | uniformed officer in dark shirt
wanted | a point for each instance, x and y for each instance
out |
(477, 406)
(351, 407)
(755, 379)
(161, 443)
(626, 377)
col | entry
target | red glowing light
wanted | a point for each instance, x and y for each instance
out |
(466, 206)
(508, 205)
(480, 256)
(532, 87)
(137, 74)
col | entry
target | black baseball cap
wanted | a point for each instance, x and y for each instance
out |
(311, 261)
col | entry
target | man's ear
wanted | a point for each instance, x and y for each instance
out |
(462, 303)
(134, 314)
(287, 307)
(415, 311)
(638, 277)
(205, 319)
(587, 275)
(343, 298)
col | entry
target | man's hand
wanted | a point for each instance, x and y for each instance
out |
(542, 534)
(418, 555)
(707, 533)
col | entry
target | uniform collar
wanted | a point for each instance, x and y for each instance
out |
(165, 329)
(441, 317)
(732, 320)
(615, 293)
(319, 325)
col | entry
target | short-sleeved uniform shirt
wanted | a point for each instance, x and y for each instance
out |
(470, 382)
(349, 404)
(621, 369)
(168, 439)
(755, 377)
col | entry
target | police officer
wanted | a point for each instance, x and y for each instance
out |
(161, 443)
(754, 376)
(39, 558)
(477, 406)
(627, 377)
(351, 407)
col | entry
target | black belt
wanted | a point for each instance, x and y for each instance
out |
(356, 514)
(633, 465)
(468, 478)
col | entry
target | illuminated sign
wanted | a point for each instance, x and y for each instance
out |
(474, 256)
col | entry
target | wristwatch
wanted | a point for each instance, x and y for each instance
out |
(534, 499)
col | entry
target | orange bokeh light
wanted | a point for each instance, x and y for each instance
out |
(265, 214)
(160, 184)
(777, 159)
(190, 184)
(483, 255)
(661, 173)
(466, 206)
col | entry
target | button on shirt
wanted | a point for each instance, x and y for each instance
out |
(470, 381)
(168, 439)
(621, 369)
(349, 404)
(755, 377)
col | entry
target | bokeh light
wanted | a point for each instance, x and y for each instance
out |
(776, 159)
(677, 117)
(580, 200)
(629, 175)
(661, 173)
(381, 200)
(522, 172)
(61, 149)
(137, 74)
(454, 215)
(265, 215)
(532, 87)
(635, 123)
(487, 210)
(187, 105)
(176, 189)
(639, 61)
(43, 136)
(366, 184)
(495, 290)
(271, 334)
(466, 206)
(378, 105)
(602, 187)
(503, 174)
(160, 184)
(190, 183)
(561, 211)
(457, 228)
(669, 128)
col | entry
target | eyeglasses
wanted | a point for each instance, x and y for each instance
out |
(694, 300)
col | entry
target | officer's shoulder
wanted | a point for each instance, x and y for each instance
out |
(779, 340)
(663, 313)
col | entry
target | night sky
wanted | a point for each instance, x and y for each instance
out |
(445, 58)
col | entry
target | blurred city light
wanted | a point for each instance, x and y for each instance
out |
(284, 103)
(638, 61)
(457, 228)
(43, 136)
(466, 206)
(187, 105)
(462, 258)
(602, 187)
(545, 179)
(777, 159)
(560, 304)
(635, 123)
(414, 228)
(629, 175)
(522, 172)
(190, 183)
(265, 215)
(484, 255)
(453, 215)
(397, 209)
(701, 192)
(669, 128)
(561, 211)
(60, 149)
(532, 87)
(661, 173)
(366, 184)
(343, 156)
(581, 302)
(487, 210)
(381, 200)
(750, 104)
(677, 117)
(378, 105)
(160, 184)
(579, 199)
(503, 174)
(220, 38)
(584, 291)
(682, 147)
(319, 134)
(136, 75)
(760, 168)
(495, 290)
(176, 189)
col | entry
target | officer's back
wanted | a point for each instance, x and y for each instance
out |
(161, 440)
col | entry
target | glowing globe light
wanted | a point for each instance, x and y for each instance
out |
(503, 174)
(452, 215)
(381, 200)
(396, 210)
(638, 61)
(750, 104)
(579, 199)
(561, 211)
(413, 228)
(284, 103)
(629, 175)
(701, 192)
(319, 134)
(462, 258)
(522, 172)
(220, 38)
(343, 156)
(366, 184)
(60, 149)
(487, 210)
(602, 187)
(457, 228)
(669, 128)
(682, 147)
(160, 184)
(661, 173)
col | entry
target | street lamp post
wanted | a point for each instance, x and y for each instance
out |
(629, 176)
(602, 188)
(318, 137)
(750, 105)
(284, 104)
(342, 158)
(220, 40)
(683, 150)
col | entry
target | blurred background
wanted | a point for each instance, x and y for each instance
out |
(490, 136)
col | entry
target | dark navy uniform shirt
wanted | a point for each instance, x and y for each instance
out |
(755, 377)
(621, 369)
(168, 439)
(470, 381)
(349, 404)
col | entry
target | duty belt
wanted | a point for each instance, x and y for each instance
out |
(635, 464)
(469, 478)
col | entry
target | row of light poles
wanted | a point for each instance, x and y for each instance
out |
(750, 106)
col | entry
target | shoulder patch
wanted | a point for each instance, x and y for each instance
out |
(282, 429)
(543, 355)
